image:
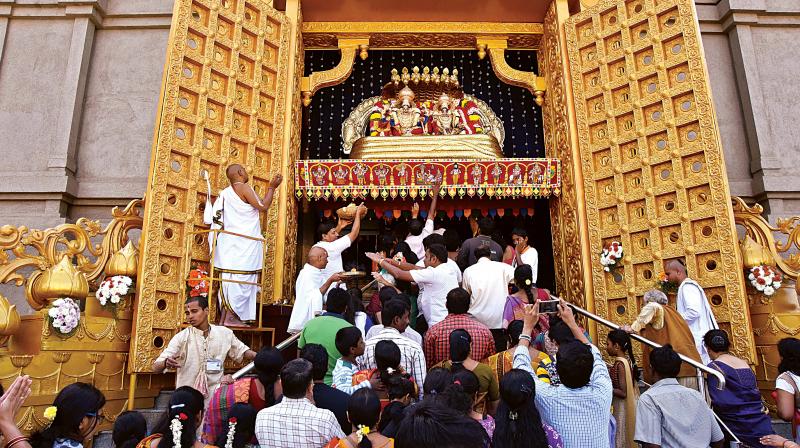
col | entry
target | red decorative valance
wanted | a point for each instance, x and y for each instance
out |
(390, 179)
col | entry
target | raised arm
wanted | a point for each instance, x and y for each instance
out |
(397, 269)
(262, 204)
(356, 223)
(434, 198)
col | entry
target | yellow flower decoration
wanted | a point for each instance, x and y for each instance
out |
(50, 413)
(528, 282)
(365, 430)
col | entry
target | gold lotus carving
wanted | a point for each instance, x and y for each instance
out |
(124, 262)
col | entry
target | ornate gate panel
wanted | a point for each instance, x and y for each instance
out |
(654, 174)
(222, 103)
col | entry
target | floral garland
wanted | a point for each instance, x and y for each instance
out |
(113, 290)
(64, 316)
(231, 432)
(611, 256)
(176, 426)
(666, 286)
(765, 279)
(197, 285)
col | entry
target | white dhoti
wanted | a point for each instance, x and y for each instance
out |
(236, 258)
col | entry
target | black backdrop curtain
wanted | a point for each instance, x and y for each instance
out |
(515, 106)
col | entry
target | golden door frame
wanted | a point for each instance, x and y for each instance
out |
(629, 149)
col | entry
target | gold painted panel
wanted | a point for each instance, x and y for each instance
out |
(222, 102)
(652, 162)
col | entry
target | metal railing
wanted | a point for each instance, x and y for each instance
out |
(286, 343)
(720, 377)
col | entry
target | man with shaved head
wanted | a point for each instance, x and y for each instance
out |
(310, 287)
(692, 305)
(238, 210)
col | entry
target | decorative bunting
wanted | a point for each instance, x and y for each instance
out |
(492, 179)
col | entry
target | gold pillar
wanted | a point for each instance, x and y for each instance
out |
(290, 147)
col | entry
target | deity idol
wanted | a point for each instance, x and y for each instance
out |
(445, 119)
(406, 115)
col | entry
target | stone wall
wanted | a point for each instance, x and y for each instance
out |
(80, 79)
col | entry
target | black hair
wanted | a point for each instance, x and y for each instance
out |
(518, 423)
(245, 428)
(789, 351)
(458, 300)
(364, 409)
(432, 425)
(664, 360)
(483, 252)
(460, 347)
(268, 363)
(399, 385)
(355, 305)
(436, 381)
(523, 279)
(575, 364)
(486, 226)
(430, 240)
(386, 242)
(387, 356)
(452, 240)
(623, 339)
(560, 332)
(514, 331)
(717, 340)
(410, 255)
(130, 428)
(386, 294)
(438, 251)
(202, 302)
(346, 339)
(460, 393)
(520, 232)
(415, 227)
(324, 228)
(392, 309)
(338, 299)
(73, 403)
(185, 406)
(317, 355)
(296, 376)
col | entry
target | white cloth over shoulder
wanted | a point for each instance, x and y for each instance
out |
(243, 256)
(307, 299)
(694, 307)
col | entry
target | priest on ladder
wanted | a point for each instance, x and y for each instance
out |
(237, 210)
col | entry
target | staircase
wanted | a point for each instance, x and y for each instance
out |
(103, 439)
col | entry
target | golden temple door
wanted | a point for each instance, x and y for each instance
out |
(649, 155)
(222, 102)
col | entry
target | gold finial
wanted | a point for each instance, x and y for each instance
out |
(306, 98)
(446, 75)
(395, 76)
(481, 51)
(405, 77)
(753, 254)
(363, 52)
(539, 97)
(61, 280)
(124, 262)
(426, 74)
(454, 77)
(415, 74)
(435, 76)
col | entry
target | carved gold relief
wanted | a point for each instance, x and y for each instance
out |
(537, 85)
(349, 47)
(124, 262)
(223, 102)
(651, 157)
(781, 250)
(9, 320)
(61, 280)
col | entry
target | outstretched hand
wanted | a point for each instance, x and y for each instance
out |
(415, 210)
(565, 313)
(276, 180)
(373, 256)
(436, 188)
(530, 317)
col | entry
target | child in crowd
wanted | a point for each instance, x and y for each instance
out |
(400, 389)
(624, 377)
(129, 429)
(350, 344)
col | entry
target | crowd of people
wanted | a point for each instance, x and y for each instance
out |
(458, 347)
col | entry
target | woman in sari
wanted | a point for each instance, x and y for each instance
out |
(541, 363)
(739, 405)
(527, 293)
(624, 376)
(260, 391)
(185, 411)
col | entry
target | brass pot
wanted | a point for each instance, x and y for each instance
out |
(349, 213)
(124, 262)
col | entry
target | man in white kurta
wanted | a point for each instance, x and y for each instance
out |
(310, 287)
(693, 305)
(239, 258)
(198, 352)
(335, 245)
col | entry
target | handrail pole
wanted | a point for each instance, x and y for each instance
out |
(720, 377)
(281, 346)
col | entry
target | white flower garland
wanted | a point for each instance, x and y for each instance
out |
(765, 279)
(113, 289)
(611, 256)
(231, 434)
(176, 427)
(65, 314)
